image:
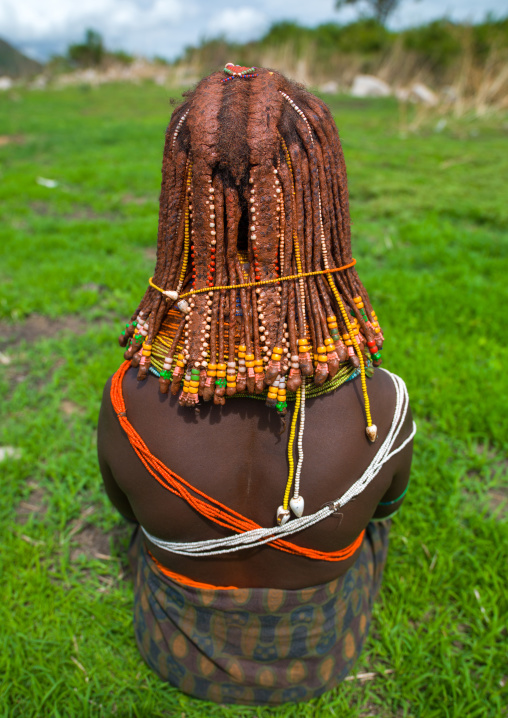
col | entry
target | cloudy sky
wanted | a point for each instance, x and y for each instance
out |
(165, 27)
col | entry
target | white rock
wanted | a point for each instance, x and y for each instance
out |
(9, 452)
(331, 87)
(421, 93)
(370, 86)
(5, 83)
(45, 182)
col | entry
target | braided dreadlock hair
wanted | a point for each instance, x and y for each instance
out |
(254, 188)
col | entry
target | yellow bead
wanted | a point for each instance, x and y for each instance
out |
(221, 373)
(193, 383)
(321, 350)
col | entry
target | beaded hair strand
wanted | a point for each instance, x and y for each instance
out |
(254, 287)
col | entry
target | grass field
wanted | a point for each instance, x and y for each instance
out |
(430, 217)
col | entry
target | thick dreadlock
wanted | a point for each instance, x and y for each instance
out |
(252, 164)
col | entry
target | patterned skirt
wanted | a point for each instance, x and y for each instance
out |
(256, 646)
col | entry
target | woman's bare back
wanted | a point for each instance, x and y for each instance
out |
(237, 455)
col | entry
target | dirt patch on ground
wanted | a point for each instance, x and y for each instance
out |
(46, 209)
(11, 140)
(150, 253)
(37, 326)
(498, 500)
(68, 408)
(33, 505)
(93, 543)
(132, 199)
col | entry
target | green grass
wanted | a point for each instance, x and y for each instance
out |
(430, 217)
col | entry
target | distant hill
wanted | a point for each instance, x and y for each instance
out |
(14, 64)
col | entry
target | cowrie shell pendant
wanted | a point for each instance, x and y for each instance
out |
(297, 505)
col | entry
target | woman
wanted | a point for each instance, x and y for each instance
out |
(255, 570)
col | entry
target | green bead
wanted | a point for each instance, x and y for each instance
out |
(138, 339)
(127, 326)
(221, 382)
(123, 333)
(281, 405)
(376, 356)
(134, 323)
(167, 374)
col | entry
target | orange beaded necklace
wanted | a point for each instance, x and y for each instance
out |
(205, 505)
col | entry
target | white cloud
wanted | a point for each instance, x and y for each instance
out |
(238, 24)
(127, 24)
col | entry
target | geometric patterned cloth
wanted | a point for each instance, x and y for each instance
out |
(256, 646)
